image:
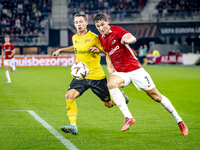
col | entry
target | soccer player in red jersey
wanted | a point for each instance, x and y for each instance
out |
(8, 50)
(124, 68)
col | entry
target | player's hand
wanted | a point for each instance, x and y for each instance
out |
(94, 49)
(9, 56)
(55, 54)
(123, 41)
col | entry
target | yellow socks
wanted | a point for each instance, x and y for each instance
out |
(71, 110)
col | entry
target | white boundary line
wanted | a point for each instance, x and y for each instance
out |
(65, 141)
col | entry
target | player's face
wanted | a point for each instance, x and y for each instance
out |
(80, 24)
(103, 27)
(7, 39)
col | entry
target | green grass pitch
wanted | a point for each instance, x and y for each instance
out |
(42, 90)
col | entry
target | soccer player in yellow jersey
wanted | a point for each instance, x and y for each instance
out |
(96, 79)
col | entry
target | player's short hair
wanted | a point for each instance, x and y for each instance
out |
(80, 15)
(100, 16)
(6, 36)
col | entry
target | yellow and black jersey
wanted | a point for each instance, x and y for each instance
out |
(83, 54)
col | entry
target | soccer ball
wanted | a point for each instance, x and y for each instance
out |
(79, 70)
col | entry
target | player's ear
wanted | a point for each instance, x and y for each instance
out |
(108, 21)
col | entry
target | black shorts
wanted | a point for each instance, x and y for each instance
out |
(98, 87)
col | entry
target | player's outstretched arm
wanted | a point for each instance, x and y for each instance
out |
(128, 39)
(67, 49)
(110, 67)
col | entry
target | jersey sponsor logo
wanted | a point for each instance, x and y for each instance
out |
(113, 50)
(80, 51)
(113, 41)
(149, 85)
(83, 52)
(86, 40)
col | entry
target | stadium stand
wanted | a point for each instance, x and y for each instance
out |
(26, 21)
(115, 9)
(182, 9)
(125, 10)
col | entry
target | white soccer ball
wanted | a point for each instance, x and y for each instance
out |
(79, 70)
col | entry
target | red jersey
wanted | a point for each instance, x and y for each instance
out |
(122, 56)
(7, 48)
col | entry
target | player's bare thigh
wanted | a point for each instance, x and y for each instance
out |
(154, 94)
(72, 94)
(115, 81)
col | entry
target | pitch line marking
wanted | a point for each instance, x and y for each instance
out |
(53, 131)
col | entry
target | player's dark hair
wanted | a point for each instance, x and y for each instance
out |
(100, 16)
(80, 15)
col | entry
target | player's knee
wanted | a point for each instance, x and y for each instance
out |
(111, 85)
(157, 98)
(69, 96)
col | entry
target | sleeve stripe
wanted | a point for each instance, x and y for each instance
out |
(131, 51)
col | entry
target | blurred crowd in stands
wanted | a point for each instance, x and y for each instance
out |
(177, 9)
(115, 9)
(23, 18)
